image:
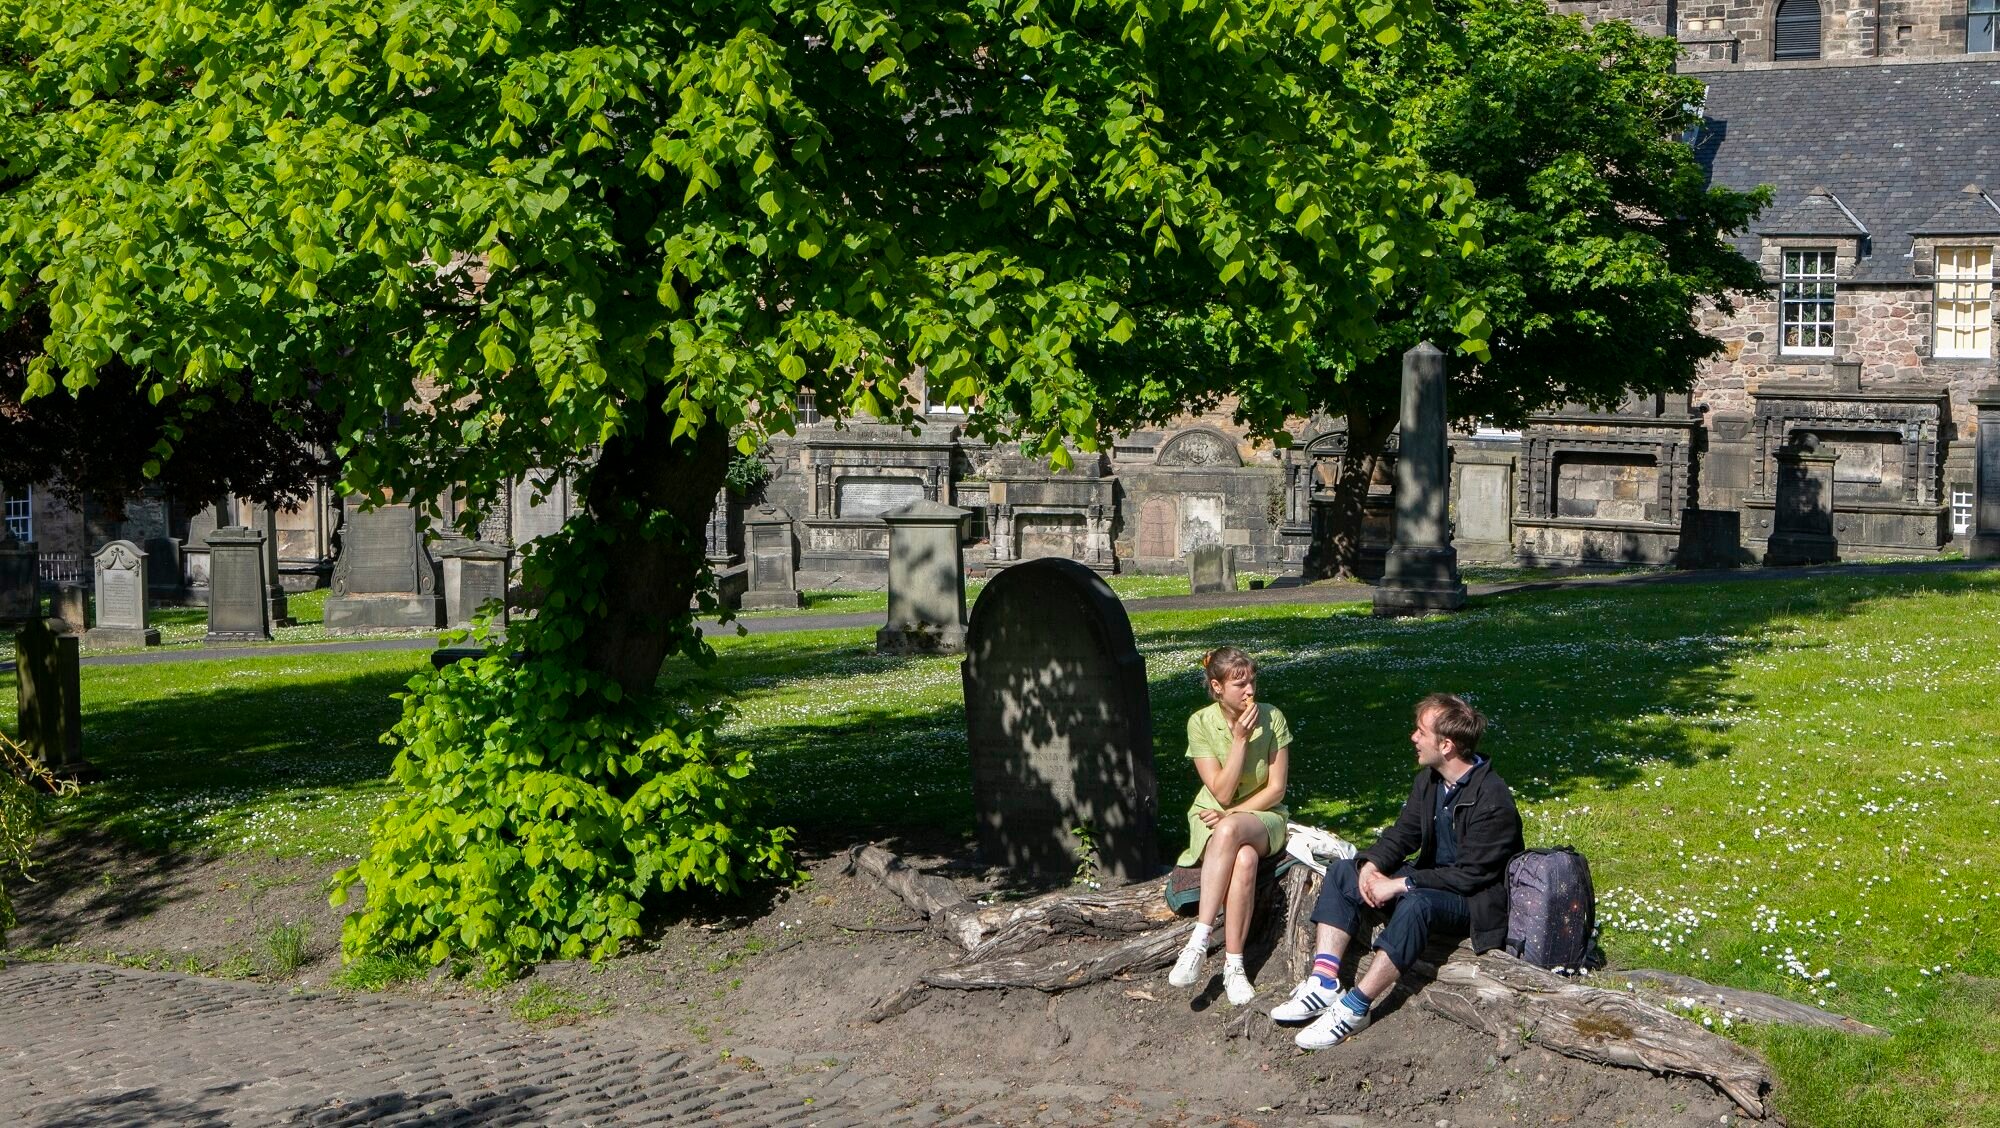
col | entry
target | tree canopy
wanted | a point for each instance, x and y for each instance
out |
(499, 236)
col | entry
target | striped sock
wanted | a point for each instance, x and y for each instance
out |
(1326, 966)
(1357, 1001)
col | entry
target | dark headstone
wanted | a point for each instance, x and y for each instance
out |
(1420, 575)
(772, 548)
(1710, 538)
(383, 579)
(20, 580)
(163, 570)
(121, 598)
(69, 610)
(1986, 476)
(1211, 569)
(475, 574)
(1802, 521)
(239, 610)
(1059, 724)
(264, 519)
(926, 581)
(194, 554)
(48, 697)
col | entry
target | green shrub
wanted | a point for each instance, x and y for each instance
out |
(540, 805)
(24, 782)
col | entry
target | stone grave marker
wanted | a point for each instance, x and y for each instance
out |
(121, 598)
(1059, 725)
(1211, 568)
(69, 610)
(264, 519)
(238, 608)
(1420, 574)
(773, 562)
(1802, 527)
(194, 553)
(48, 698)
(1985, 541)
(475, 573)
(20, 579)
(163, 570)
(926, 581)
(383, 579)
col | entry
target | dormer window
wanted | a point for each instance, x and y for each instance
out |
(1806, 304)
(1795, 32)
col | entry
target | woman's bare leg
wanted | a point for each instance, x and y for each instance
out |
(1241, 901)
(1218, 861)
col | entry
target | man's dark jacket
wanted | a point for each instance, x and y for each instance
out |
(1489, 835)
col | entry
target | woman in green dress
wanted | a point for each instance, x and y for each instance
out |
(1241, 749)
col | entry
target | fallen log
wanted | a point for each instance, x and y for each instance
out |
(936, 899)
(1505, 997)
(1125, 911)
(1743, 1006)
(1148, 952)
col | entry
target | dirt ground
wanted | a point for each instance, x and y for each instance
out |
(781, 985)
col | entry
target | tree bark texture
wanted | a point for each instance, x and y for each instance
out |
(651, 579)
(1743, 1006)
(1347, 515)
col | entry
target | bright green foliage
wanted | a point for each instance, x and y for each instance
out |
(541, 805)
(23, 780)
(506, 236)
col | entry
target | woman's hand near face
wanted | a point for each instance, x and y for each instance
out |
(1246, 721)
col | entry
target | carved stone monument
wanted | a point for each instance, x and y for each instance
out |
(264, 519)
(1803, 530)
(926, 581)
(767, 534)
(194, 554)
(383, 579)
(238, 608)
(69, 610)
(20, 579)
(1211, 569)
(1420, 575)
(1986, 476)
(475, 573)
(48, 698)
(1059, 725)
(121, 598)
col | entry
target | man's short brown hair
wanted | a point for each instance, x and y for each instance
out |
(1455, 720)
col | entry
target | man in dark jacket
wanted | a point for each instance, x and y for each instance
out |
(1461, 824)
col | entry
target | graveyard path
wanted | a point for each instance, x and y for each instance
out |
(85, 1045)
(1317, 593)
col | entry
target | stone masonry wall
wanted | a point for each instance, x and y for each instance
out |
(1723, 33)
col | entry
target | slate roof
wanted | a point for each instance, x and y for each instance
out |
(1972, 213)
(1819, 212)
(1896, 144)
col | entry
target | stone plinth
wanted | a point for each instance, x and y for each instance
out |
(773, 559)
(1985, 542)
(1420, 575)
(1211, 569)
(239, 609)
(475, 574)
(121, 599)
(1059, 725)
(926, 581)
(1803, 530)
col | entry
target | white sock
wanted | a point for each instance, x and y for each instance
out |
(1199, 941)
(1232, 963)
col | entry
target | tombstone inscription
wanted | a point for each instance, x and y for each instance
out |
(1059, 725)
(238, 609)
(475, 574)
(383, 579)
(121, 598)
(1211, 569)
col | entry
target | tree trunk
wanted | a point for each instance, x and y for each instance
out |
(1346, 517)
(651, 577)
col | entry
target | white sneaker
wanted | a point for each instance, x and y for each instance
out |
(1309, 998)
(1332, 1028)
(1237, 986)
(1187, 969)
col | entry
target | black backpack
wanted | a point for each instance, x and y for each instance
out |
(1551, 909)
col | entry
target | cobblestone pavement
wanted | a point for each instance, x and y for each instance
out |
(83, 1046)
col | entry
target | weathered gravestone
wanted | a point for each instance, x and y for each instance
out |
(475, 574)
(194, 554)
(20, 579)
(1059, 725)
(121, 598)
(69, 610)
(926, 581)
(773, 561)
(1986, 476)
(48, 698)
(1211, 568)
(238, 608)
(1802, 530)
(264, 519)
(383, 579)
(1420, 574)
(163, 570)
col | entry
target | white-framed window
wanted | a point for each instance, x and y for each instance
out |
(1961, 511)
(1964, 306)
(805, 408)
(1982, 26)
(1806, 303)
(21, 515)
(934, 401)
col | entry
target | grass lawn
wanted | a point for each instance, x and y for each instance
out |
(1780, 785)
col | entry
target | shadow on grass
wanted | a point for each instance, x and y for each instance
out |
(1590, 687)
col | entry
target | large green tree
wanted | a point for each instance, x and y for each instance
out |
(1603, 238)
(613, 237)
